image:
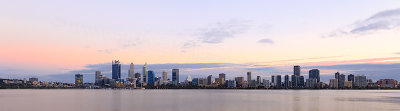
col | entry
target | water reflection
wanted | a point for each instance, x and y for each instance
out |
(198, 100)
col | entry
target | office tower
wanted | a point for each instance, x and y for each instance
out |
(239, 81)
(337, 75)
(301, 81)
(295, 81)
(314, 74)
(97, 77)
(195, 82)
(78, 79)
(286, 83)
(278, 81)
(175, 76)
(164, 76)
(348, 84)
(138, 76)
(333, 83)
(222, 75)
(33, 79)
(145, 73)
(296, 70)
(273, 80)
(116, 70)
(231, 83)
(360, 81)
(266, 83)
(248, 77)
(131, 72)
(209, 80)
(350, 77)
(311, 82)
(151, 78)
(258, 80)
(341, 80)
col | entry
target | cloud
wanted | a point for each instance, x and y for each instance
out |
(267, 41)
(218, 32)
(397, 53)
(384, 20)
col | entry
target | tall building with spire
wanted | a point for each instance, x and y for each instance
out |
(131, 72)
(145, 74)
(116, 70)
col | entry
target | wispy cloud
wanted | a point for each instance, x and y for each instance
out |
(384, 20)
(266, 41)
(397, 53)
(218, 32)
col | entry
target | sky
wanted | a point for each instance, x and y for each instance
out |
(54, 40)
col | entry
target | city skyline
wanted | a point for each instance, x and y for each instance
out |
(199, 37)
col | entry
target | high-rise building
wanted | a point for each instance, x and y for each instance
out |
(175, 76)
(314, 74)
(248, 77)
(295, 81)
(296, 70)
(333, 83)
(239, 81)
(266, 83)
(301, 81)
(209, 80)
(222, 75)
(337, 75)
(231, 83)
(360, 81)
(258, 80)
(97, 76)
(273, 80)
(164, 76)
(350, 77)
(116, 70)
(151, 78)
(278, 81)
(341, 80)
(138, 77)
(78, 79)
(145, 73)
(131, 72)
(286, 83)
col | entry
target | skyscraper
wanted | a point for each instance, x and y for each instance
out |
(258, 80)
(337, 75)
(164, 76)
(131, 72)
(150, 78)
(314, 74)
(145, 73)
(138, 76)
(209, 80)
(222, 75)
(360, 81)
(278, 81)
(97, 76)
(286, 81)
(273, 80)
(175, 76)
(296, 70)
(78, 79)
(248, 77)
(350, 77)
(341, 80)
(116, 70)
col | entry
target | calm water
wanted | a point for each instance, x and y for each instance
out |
(199, 100)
